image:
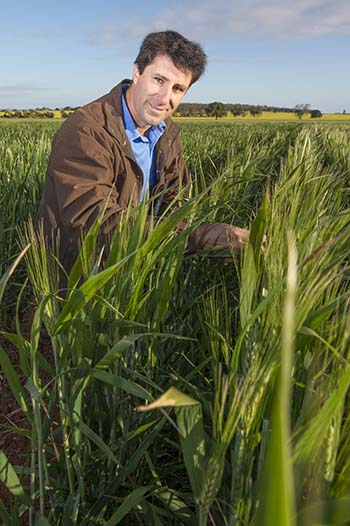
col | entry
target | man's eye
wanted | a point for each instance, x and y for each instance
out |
(159, 80)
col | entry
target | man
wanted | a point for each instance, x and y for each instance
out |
(123, 147)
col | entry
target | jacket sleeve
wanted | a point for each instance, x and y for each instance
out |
(81, 169)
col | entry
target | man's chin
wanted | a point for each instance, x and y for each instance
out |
(156, 115)
(154, 121)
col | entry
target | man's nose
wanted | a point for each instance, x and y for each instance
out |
(164, 95)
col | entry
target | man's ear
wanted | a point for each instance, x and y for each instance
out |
(135, 73)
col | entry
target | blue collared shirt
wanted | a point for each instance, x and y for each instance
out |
(143, 147)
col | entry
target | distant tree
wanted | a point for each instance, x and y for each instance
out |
(216, 109)
(301, 109)
(187, 109)
(315, 114)
(236, 112)
(344, 112)
(254, 112)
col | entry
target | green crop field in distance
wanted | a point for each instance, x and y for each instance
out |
(272, 116)
(264, 116)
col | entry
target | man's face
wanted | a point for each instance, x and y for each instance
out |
(156, 93)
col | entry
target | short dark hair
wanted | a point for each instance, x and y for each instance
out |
(186, 55)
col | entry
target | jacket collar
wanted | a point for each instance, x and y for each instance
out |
(114, 116)
(114, 112)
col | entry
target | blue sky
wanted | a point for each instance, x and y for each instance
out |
(275, 52)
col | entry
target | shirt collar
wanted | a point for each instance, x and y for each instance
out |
(130, 127)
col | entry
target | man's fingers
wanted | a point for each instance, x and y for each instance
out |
(237, 237)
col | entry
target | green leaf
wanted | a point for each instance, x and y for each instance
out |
(258, 228)
(7, 521)
(306, 331)
(130, 502)
(327, 512)
(190, 423)
(81, 296)
(176, 505)
(87, 248)
(171, 398)
(153, 515)
(165, 227)
(26, 432)
(70, 506)
(141, 429)
(32, 389)
(5, 278)
(125, 385)
(311, 439)
(317, 317)
(251, 263)
(190, 426)
(36, 329)
(40, 520)
(14, 383)
(17, 340)
(124, 345)
(91, 435)
(125, 471)
(9, 477)
(277, 491)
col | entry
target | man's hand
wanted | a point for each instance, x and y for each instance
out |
(217, 236)
(237, 237)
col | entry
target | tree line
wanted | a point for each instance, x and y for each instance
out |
(37, 113)
(220, 109)
(186, 109)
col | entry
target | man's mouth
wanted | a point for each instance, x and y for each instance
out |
(158, 109)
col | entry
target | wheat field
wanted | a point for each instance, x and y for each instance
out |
(177, 388)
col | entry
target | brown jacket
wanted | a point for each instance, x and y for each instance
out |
(92, 163)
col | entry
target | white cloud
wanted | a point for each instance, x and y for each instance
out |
(206, 18)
